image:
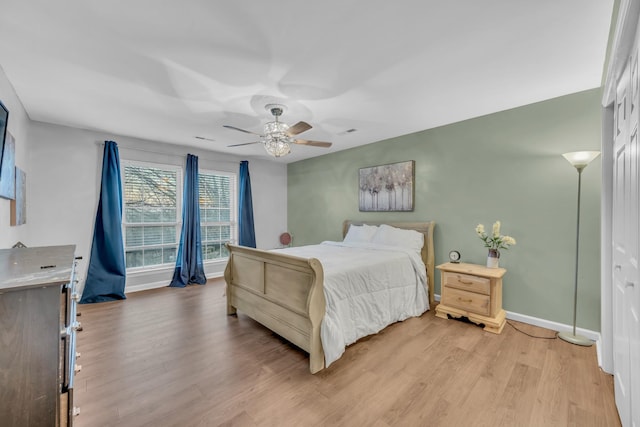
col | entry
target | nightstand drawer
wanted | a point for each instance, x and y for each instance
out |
(467, 282)
(468, 301)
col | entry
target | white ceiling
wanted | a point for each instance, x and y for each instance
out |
(172, 70)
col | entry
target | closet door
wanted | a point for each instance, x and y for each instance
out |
(631, 288)
(621, 193)
(632, 280)
(626, 248)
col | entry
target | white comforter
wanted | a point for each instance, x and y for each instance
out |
(367, 287)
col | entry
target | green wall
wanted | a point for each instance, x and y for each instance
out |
(505, 166)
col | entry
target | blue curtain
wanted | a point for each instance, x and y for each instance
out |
(189, 267)
(246, 231)
(107, 271)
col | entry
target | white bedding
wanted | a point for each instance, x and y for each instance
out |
(367, 287)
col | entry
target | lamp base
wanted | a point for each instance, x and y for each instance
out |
(575, 339)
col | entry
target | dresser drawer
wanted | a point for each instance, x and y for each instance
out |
(467, 282)
(468, 301)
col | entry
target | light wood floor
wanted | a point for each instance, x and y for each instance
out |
(172, 357)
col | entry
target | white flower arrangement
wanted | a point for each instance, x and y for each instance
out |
(497, 240)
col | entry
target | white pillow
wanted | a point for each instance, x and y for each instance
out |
(392, 236)
(360, 233)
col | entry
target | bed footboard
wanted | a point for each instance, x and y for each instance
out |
(282, 292)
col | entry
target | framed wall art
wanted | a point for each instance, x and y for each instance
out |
(387, 188)
(8, 169)
(4, 118)
(19, 205)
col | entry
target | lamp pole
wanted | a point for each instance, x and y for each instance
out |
(579, 160)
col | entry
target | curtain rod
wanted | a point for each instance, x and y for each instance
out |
(168, 154)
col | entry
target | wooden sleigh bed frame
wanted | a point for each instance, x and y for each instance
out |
(285, 293)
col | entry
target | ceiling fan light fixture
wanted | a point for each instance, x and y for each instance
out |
(276, 147)
(278, 137)
(276, 128)
(276, 141)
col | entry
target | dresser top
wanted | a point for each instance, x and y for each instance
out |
(477, 270)
(23, 268)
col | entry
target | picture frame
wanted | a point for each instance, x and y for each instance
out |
(387, 188)
(19, 204)
(4, 119)
(8, 169)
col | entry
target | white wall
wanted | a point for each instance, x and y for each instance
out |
(64, 185)
(19, 128)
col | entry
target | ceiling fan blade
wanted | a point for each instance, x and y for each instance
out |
(313, 143)
(241, 130)
(298, 128)
(245, 143)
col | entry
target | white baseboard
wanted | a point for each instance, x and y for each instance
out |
(162, 284)
(554, 326)
(145, 287)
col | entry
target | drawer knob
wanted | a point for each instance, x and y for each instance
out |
(465, 300)
(465, 283)
(75, 296)
(75, 411)
(77, 326)
(77, 368)
(78, 354)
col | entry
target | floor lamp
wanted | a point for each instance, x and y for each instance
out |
(579, 160)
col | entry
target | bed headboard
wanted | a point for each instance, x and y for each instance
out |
(426, 228)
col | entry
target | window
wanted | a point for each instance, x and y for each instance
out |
(153, 214)
(151, 225)
(217, 213)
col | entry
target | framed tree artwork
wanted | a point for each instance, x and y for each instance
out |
(387, 188)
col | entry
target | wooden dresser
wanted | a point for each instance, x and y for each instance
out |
(472, 291)
(37, 336)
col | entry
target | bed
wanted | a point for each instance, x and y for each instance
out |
(285, 292)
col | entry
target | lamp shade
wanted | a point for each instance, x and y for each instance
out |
(580, 159)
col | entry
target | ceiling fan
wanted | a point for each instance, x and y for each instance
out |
(278, 136)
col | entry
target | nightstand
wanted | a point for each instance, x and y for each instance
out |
(473, 291)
